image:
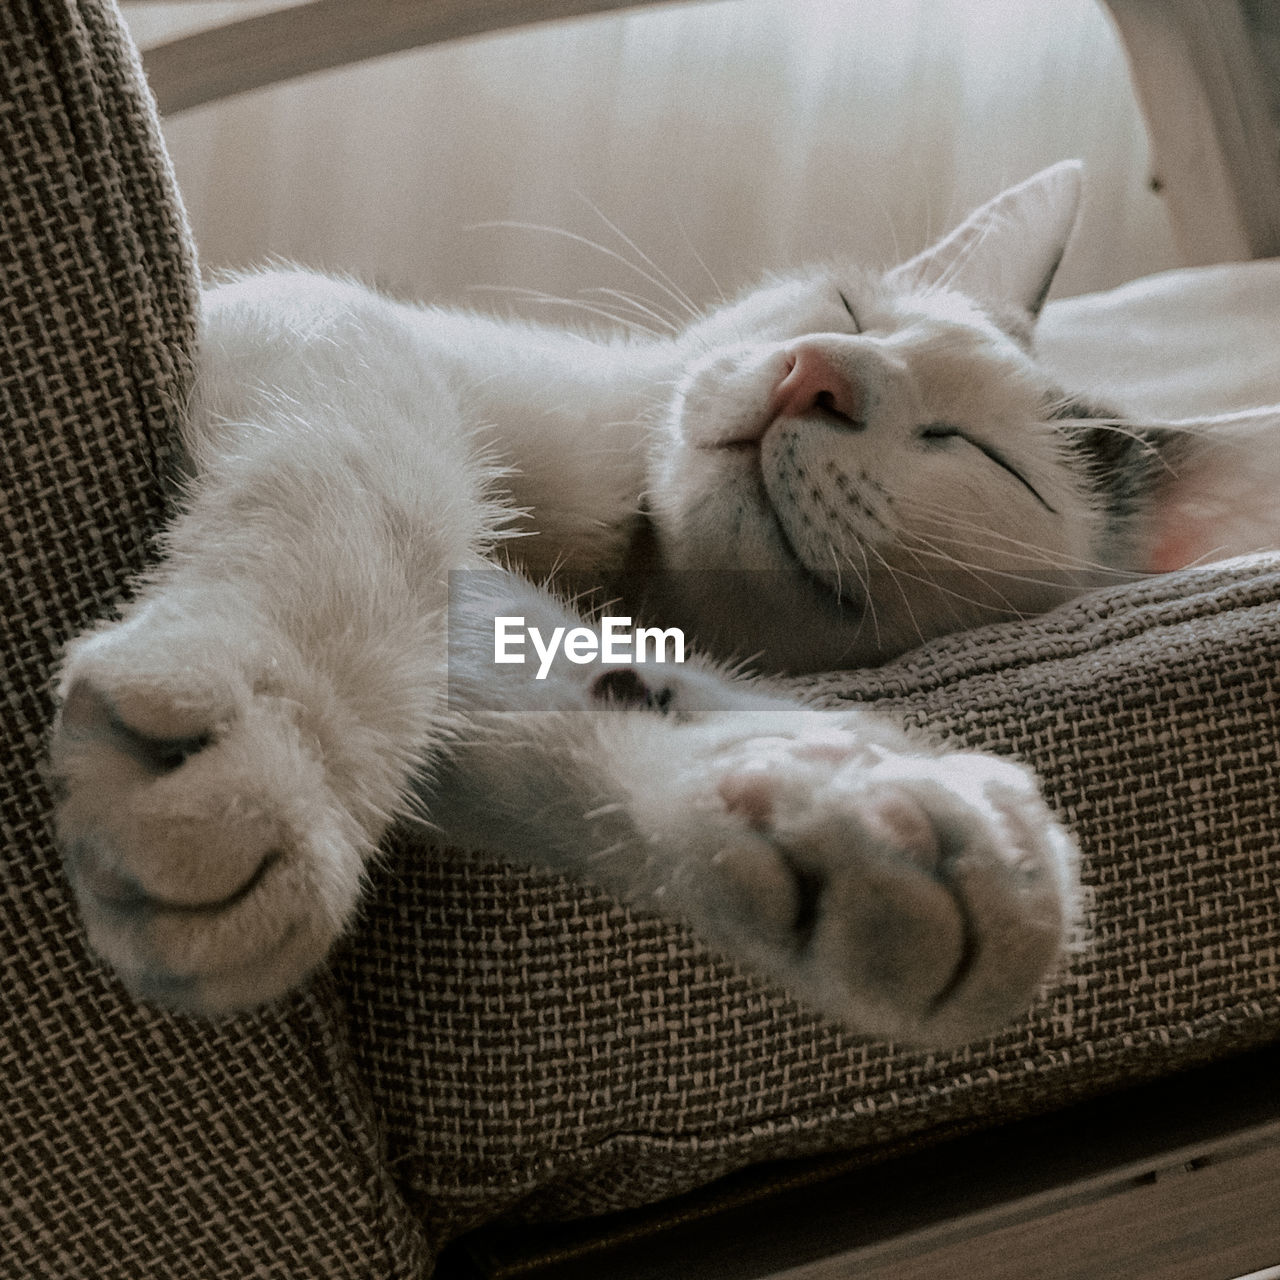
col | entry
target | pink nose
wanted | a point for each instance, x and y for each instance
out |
(812, 382)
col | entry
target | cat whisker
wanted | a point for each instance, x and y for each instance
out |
(945, 526)
(988, 573)
(887, 213)
(577, 304)
(950, 520)
(613, 317)
(699, 259)
(1000, 607)
(609, 851)
(864, 581)
(604, 810)
(863, 586)
(892, 571)
(1047, 564)
(668, 285)
(916, 544)
(1117, 426)
(1004, 606)
(661, 317)
(1206, 558)
(948, 597)
(835, 560)
(677, 296)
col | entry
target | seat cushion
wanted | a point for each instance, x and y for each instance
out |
(538, 1051)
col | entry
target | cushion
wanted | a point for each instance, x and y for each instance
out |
(538, 1051)
(1180, 344)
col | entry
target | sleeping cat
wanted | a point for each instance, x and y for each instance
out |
(825, 472)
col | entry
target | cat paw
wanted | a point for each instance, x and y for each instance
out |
(213, 861)
(920, 898)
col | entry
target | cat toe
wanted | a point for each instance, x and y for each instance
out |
(625, 687)
(985, 919)
(88, 716)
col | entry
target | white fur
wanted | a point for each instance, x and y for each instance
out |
(290, 679)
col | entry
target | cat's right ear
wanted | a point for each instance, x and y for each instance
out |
(1008, 250)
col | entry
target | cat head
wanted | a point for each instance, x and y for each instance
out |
(855, 462)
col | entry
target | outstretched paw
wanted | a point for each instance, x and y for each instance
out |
(213, 862)
(924, 898)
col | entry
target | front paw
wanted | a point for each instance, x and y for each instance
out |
(908, 896)
(213, 863)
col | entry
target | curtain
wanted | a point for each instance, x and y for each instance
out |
(672, 154)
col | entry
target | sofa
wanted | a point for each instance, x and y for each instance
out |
(492, 1048)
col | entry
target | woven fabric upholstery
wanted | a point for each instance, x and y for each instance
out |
(496, 1041)
(132, 1145)
(540, 1051)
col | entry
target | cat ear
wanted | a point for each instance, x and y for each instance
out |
(1008, 250)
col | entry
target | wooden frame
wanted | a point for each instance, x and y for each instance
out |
(267, 48)
(1176, 1179)
(1200, 76)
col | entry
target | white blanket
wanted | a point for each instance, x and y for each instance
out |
(1204, 340)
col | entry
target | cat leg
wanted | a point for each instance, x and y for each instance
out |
(906, 893)
(902, 890)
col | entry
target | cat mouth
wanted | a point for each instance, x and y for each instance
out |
(743, 432)
(842, 603)
(744, 439)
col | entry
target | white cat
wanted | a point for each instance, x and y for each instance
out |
(825, 472)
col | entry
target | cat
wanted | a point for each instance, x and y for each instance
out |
(823, 473)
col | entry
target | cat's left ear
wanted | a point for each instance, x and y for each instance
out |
(1008, 250)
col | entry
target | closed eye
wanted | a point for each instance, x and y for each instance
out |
(848, 306)
(938, 431)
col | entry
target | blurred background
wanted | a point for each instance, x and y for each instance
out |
(714, 141)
